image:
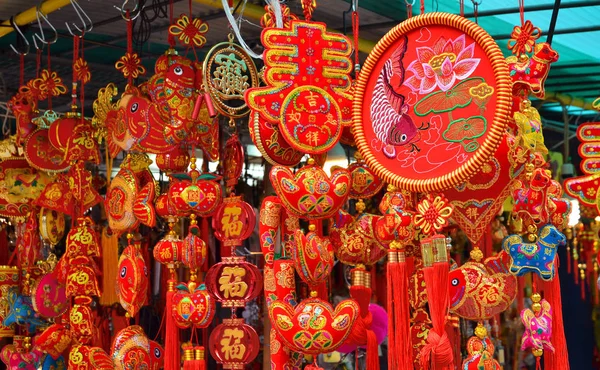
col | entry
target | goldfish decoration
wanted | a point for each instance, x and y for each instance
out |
(132, 282)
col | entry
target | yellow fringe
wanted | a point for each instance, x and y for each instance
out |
(110, 268)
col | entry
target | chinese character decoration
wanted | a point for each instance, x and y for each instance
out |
(537, 321)
(585, 187)
(480, 350)
(312, 105)
(269, 141)
(228, 72)
(234, 344)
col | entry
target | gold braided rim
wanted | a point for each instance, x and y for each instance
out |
(495, 132)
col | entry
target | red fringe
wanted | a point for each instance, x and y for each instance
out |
(392, 357)
(569, 270)
(437, 354)
(399, 339)
(362, 329)
(559, 359)
(172, 353)
(576, 271)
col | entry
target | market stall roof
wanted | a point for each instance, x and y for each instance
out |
(575, 78)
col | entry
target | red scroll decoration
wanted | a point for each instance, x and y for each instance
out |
(585, 188)
(308, 83)
(431, 103)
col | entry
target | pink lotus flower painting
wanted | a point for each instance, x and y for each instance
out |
(442, 65)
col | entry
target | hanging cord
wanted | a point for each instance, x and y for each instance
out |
(129, 44)
(409, 7)
(82, 84)
(49, 68)
(422, 6)
(74, 85)
(553, 22)
(38, 62)
(21, 69)
(522, 11)
(462, 8)
(476, 4)
(355, 26)
(236, 30)
(171, 38)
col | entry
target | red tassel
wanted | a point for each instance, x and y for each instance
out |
(401, 310)
(569, 270)
(392, 356)
(582, 285)
(199, 358)
(437, 354)
(521, 293)
(559, 359)
(172, 353)
(576, 271)
(362, 333)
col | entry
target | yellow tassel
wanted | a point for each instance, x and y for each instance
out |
(110, 266)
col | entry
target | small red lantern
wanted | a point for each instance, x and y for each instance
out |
(233, 161)
(61, 130)
(163, 206)
(175, 161)
(234, 344)
(234, 221)
(168, 250)
(354, 239)
(233, 282)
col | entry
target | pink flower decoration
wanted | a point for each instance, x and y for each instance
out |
(442, 65)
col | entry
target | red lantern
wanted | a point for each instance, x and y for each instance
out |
(233, 161)
(175, 161)
(233, 282)
(61, 130)
(168, 250)
(163, 206)
(234, 221)
(234, 344)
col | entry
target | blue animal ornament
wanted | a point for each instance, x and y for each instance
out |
(21, 312)
(535, 257)
(48, 363)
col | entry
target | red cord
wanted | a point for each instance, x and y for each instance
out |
(82, 93)
(49, 68)
(171, 38)
(522, 11)
(476, 11)
(462, 8)
(129, 45)
(355, 24)
(409, 9)
(422, 6)
(38, 62)
(75, 56)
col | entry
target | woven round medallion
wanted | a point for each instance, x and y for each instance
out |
(431, 103)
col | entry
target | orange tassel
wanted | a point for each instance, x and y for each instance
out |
(437, 354)
(559, 359)
(110, 266)
(172, 353)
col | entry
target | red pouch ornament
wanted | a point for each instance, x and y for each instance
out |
(312, 105)
(42, 155)
(81, 145)
(354, 239)
(313, 326)
(80, 182)
(83, 357)
(132, 282)
(20, 185)
(480, 291)
(54, 340)
(313, 256)
(57, 196)
(49, 297)
(310, 193)
(193, 307)
(130, 349)
(424, 130)
(81, 322)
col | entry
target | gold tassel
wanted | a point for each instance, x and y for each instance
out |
(110, 266)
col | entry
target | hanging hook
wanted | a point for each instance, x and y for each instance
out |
(41, 16)
(87, 27)
(136, 11)
(18, 30)
(353, 8)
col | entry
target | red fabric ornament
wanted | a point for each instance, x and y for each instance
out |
(313, 105)
(424, 130)
(193, 254)
(316, 199)
(233, 161)
(201, 196)
(132, 282)
(313, 257)
(49, 297)
(365, 182)
(9, 280)
(20, 185)
(270, 143)
(130, 349)
(81, 323)
(54, 340)
(479, 291)
(24, 107)
(354, 239)
(530, 73)
(83, 357)
(193, 309)
(60, 131)
(57, 196)
(233, 282)
(174, 161)
(80, 181)
(233, 344)
(313, 326)
(42, 155)
(585, 187)
(81, 145)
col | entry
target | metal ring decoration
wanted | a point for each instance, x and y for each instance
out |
(431, 102)
(228, 73)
